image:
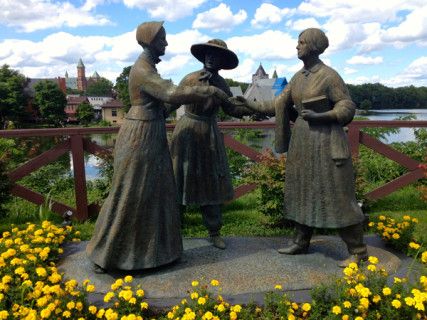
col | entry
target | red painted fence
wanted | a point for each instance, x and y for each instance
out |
(78, 144)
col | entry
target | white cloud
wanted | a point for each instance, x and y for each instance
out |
(219, 18)
(181, 42)
(365, 60)
(169, 10)
(303, 24)
(242, 73)
(170, 68)
(348, 70)
(414, 74)
(32, 15)
(269, 14)
(268, 45)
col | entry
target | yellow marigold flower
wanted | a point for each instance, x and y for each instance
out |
(414, 245)
(373, 260)
(233, 315)
(396, 303)
(409, 301)
(201, 300)
(424, 257)
(347, 304)
(208, 315)
(132, 300)
(111, 315)
(214, 283)
(278, 287)
(41, 302)
(71, 305)
(371, 224)
(376, 298)
(364, 302)
(336, 309)
(55, 277)
(294, 305)
(237, 308)
(140, 293)
(353, 266)
(358, 318)
(19, 270)
(66, 314)
(372, 268)
(395, 236)
(144, 305)
(423, 280)
(183, 301)
(306, 307)
(45, 313)
(171, 315)
(128, 279)
(194, 295)
(221, 308)
(345, 317)
(291, 317)
(382, 218)
(4, 314)
(386, 291)
(195, 283)
(93, 309)
(86, 282)
(41, 272)
(414, 220)
(6, 279)
(100, 313)
(90, 288)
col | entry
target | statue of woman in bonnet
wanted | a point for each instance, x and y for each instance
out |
(319, 188)
(139, 225)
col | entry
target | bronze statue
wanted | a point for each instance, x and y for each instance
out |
(139, 224)
(197, 147)
(319, 184)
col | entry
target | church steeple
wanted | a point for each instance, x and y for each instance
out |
(81, 76)
(274, 74)
(259, 74)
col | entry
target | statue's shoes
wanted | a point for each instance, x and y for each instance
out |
(218, 242)
(293, 249)
(354, 258)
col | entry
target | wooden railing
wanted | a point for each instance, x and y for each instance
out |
(76, 142)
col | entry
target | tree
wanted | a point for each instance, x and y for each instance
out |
(232, 83)
(85, 113)
(365, 105)
(51, 102)
(122, 88)
(13, 99)
(100, 88)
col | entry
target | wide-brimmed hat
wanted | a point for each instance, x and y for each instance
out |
(229, 59)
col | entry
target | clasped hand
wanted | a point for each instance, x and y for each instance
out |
(315, 117)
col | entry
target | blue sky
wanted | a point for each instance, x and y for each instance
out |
(370, 41)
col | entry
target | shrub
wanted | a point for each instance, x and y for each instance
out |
(269, 175)
(4, 188)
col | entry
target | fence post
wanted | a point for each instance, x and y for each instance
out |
(79, 177)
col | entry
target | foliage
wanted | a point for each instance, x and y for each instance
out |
(122, 88)
(232, 83)
(85, 113)
(102, 87)
(4, 188)
(13, 99)
(382, 97)
(396, 233)
(50, 101)
(423, 189)
(269, 175)
(365, 105)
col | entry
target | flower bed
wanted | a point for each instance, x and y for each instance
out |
(32, 288)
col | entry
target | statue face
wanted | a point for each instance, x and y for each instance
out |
(303, 49)
(159, 43)
(212, 61)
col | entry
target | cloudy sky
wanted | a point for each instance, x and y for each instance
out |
(370, 41)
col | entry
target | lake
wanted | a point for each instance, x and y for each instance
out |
(406, 134)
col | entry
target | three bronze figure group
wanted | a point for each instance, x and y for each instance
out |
(139, 223)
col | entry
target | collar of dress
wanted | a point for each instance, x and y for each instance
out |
(313, 69)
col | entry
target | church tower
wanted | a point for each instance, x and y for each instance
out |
(81, 76)
(259, 74)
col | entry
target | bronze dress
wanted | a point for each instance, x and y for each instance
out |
(138, 226)
(318, 193)
(197, 148)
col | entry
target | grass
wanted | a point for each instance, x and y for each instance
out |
(240, 217)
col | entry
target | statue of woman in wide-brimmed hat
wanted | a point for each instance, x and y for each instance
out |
(197, 147)
(139, 225)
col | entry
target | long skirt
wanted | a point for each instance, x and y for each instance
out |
(139, 226)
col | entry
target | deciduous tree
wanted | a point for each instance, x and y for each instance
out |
(51, 102)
